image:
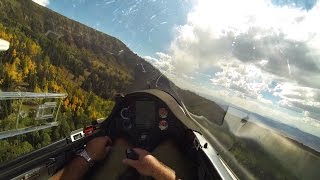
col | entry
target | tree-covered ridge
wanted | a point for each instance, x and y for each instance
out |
(51, 53)
(25, 67)
(83, 51)
(41, 62)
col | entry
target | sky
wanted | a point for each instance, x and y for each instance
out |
(143, 25)
(261, 55)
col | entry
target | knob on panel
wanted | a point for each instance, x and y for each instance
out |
(126, 124)
(124, 113)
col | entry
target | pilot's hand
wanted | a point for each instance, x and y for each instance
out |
(148, 165)
(98, 148)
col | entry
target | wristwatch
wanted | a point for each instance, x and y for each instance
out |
(86, 156)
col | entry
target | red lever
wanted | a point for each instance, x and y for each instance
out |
(88, 130)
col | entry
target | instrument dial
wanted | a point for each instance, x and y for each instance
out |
(163, 113)
(124, 113)
(163, 125)
(126, 124)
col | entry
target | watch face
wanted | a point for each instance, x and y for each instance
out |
(85, 155)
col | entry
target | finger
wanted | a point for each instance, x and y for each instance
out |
(140, 151)
(130, 162)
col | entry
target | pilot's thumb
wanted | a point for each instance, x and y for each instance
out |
(141, 152)
(130, 162)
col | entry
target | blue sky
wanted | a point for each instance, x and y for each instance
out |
(254, 54)
(303, 4)
(146, 26)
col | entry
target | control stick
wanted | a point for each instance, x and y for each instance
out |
(131, 154)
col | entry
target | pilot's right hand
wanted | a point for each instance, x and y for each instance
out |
(148, 165)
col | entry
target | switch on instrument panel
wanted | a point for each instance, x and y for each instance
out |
(143, 137)
(126, 124)
(163, 113)
(143, 140)
(125, 115)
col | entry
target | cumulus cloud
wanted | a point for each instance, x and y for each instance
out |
(162, 62)
(250, 47)
(249, 31)
(247, 79)
(42, 2)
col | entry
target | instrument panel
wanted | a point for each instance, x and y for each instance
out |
(145, 121)
(144, 115)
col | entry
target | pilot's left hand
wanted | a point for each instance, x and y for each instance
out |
(98, 148)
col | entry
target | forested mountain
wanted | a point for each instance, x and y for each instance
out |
(90, 57)
(51, 53)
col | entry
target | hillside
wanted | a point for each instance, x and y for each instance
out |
(51, 53)
(91, 57)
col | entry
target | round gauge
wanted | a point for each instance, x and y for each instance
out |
(163, 113)
(163, 125)
(126, 124)
(124, 113)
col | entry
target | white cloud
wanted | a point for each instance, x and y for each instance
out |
(42, 2)
(247, 79)
(251, 47)
(260, 105)
(248, 30)
(163, 62)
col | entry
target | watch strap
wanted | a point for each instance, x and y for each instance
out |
(86, 157)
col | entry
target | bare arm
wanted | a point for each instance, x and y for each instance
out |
(78, 167)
